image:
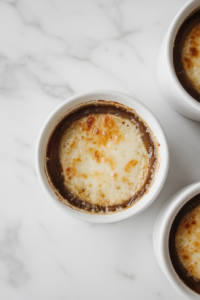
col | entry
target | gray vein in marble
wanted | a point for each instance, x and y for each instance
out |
(127, 33)
(118, 21)
(63, 269)
(45, 231)
(25, 165)
(24, 144)
(8, 80)
(57, 91)
(22, 163)
(125, 275)
(54, 90)
(8, 83)
(9, 1)
(35, 24)
(100, 68)
(136, 53)
(123, 33)
(11, 256)
(24, 181)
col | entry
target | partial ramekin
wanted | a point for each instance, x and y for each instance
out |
(161, 232)
(171, 88)
(144, 113)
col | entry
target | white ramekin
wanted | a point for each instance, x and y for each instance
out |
(171, 88)
(144, 113)
(161, 232)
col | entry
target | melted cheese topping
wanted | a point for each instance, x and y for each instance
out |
(103, 158)
(187, 242)
(191, 57)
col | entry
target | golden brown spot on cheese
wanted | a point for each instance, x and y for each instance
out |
(193, 51)
(97, 126)
(185, 256)
(101, 194)
(96, 131)
(81, 190)
(97, 156)
(187, 225)
(108, 121)
(110, 161)
(125, 179)
(72, 170)
(190, 268)
(102, 157)
(114, 176)
(71, 147)
(76, 160)
(83, 175)
(132, 163)
(196, 244)
(97, 173)
(90, 121)
(187, 62)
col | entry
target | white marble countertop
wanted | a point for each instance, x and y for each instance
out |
(50, 50)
